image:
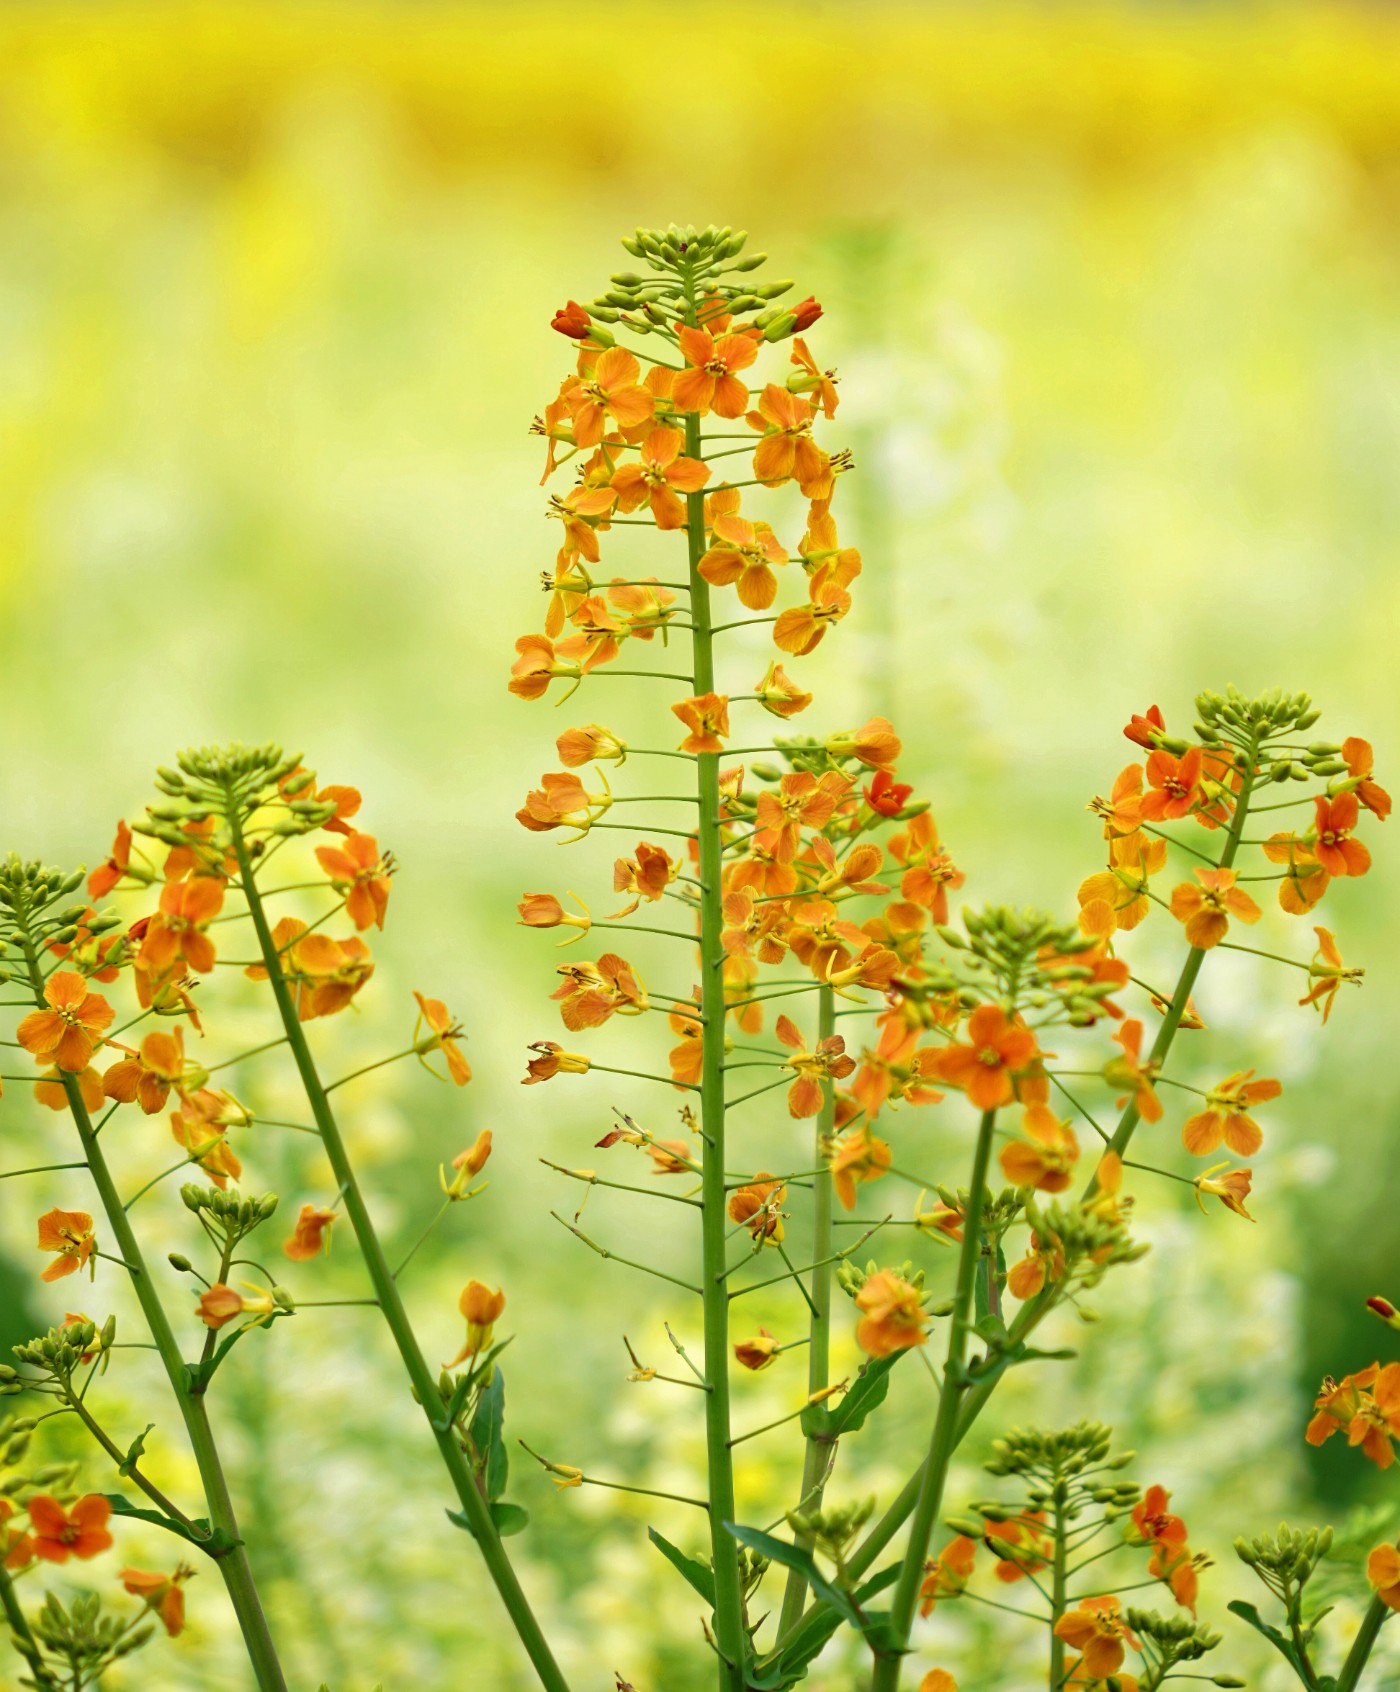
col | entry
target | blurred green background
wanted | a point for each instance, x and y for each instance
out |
(1113, 291)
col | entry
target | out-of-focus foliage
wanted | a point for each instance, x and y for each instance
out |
(1114, 291)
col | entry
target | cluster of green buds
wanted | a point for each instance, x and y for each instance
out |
(1287, 1560)
(1091, 1240)
(1176, 1639)
(832, 1528)
(1009, 943)
(1231, 717)
(225, 781)
(29, 900)
(687, 262)
(1066, 1468)
(227, 1217)
(66, 1348)
(999, 1210)
(851, 1277)
(83, 1642)
(753, 1565)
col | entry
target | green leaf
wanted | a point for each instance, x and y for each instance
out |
(811, 1637)
(1284, 1646)
(509, 1518)
(867, 1394)
(488, 1434)
(215, 1542)
(138, 1445)
(691, 1569)
(795, 1557)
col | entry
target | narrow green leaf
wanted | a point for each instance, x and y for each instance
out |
(691, 1569)
(210, 1543)
(794, 1557)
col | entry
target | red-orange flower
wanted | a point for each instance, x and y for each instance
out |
(886, 796)
(178, 929)
(106, 876)
(1334, 847)
(572, 320)
(996, 1049)
(859, 1156)
(1226, 1116)
(710, 381)
(1171, 1561)
(57, 1534)
(311, 1234)
(1173, 785)
(68, 1032)
(1360, 760)
(658, 477)
(69, 1233)
(163, 1593)
(1146, 730)
(1206, 910)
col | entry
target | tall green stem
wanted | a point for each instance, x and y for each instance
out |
(817, 1454)
(233, 1564)
(944, 1439)
(421, 1375)
(1058, 1579)
(724, 1550)
(1362, 1645)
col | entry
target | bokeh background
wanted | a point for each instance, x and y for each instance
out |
(1113, 290)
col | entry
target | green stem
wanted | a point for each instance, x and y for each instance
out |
(729, 1602)
(944, 1439)
(1362, 1645)
(817, 1454)
(424, 1381)
(22, 1635)
(233, 1564)
(1058, 1578)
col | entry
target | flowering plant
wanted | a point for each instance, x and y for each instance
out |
(807, 890)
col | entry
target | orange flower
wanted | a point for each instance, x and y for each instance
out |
(799, 629)
(543, 910)
(757, 1205)
(1226, 1116)
(687, 1058)
(1360, 760)
(550, 1060)
(1022, 1546)
(1097, 1631)
(707, 718)
(162, 1593)
(996, 1048)
(58, 1534)
(1383, 1573)
(199, 1127)
(1132, 1072)
(589, 745)
(886, 796)
(758, 1352)
(1117, 897)
(177, 931)
(70, 1030)
(646, 875)
(659, 477)
(443, 1036)
(1232, 1189)
(1171, 1560)
(220, 1304)
(709, 382)
(106, 876)
(938, 1680)
(572, 320)
(357, 870)
(562, 801)
(929, 873)
(482, 1309)
(327, 973)
(1305, 881)
(1046, 1156)
(50, 1089)
(1147, 730)
(468, 1165)
(1366, 1407)
(787, 450)
(859, 1156)
(1335, 849)
(1174, 785)
(821, 384)
(69, 1233)
(147, 1078)
(671, 1157)
(311, 1235)
(1206, 910)
(611, 390)
(893, 1316)
(948, 1573)
(1044, 1261)
(801, 801)
(536, 665)
(592, 992)
(827, 1063)
(1327, 972)
(741, 554)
